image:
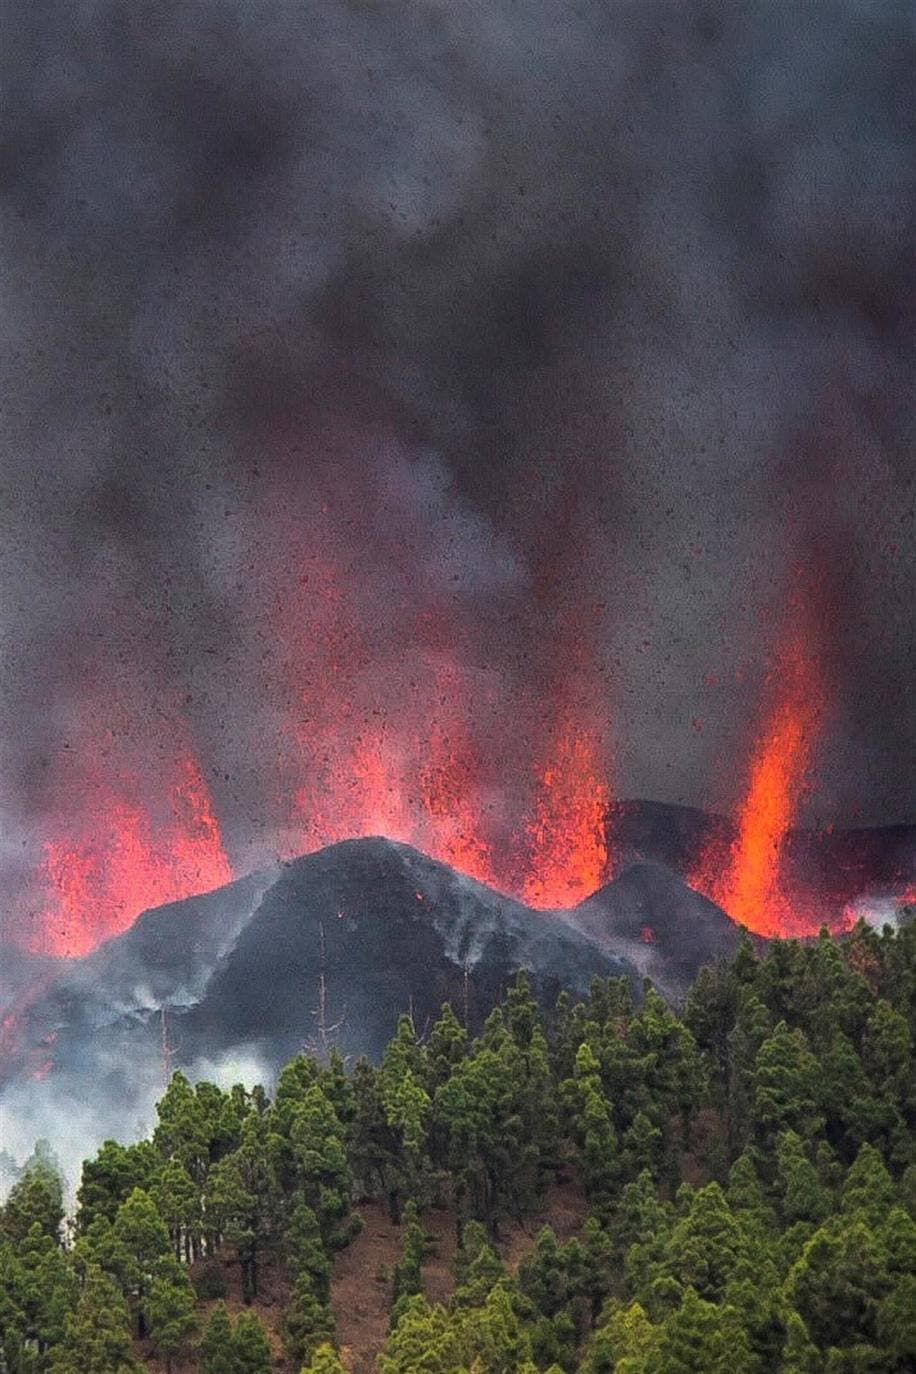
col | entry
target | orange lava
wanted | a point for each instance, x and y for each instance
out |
(448, 780)
(748, 885)
(424, 747)
(125, 861)
(414, 771)
(568, 849)
(378, 781)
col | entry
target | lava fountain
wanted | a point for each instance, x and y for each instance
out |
(568, 847)
(126, 858)
(748, 885)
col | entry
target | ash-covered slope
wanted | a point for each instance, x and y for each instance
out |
(390, 930)
(386, 929)
(169, 953)
(650, 916)
(165, 959)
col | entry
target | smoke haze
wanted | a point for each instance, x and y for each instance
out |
(559, 344)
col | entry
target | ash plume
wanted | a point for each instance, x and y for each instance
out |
(533, 324)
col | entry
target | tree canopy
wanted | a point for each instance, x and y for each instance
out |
(748, 1166)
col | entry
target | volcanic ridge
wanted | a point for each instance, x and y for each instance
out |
(328, 950)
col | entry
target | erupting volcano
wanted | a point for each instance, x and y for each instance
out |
(568, 835)
(747, 882)
(394, 731)
(421, 776)
(122, 857)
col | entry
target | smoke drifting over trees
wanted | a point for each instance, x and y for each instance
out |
(558, 341)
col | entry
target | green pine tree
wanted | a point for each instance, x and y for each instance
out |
(97, 1338)
(253, 1354)
(217, 1349)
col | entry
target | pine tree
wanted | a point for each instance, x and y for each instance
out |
(217, 1349)
(424, 1339)
(322, 1168)
(308, 1321)
(305, 1251)
(799, 1354)
(243, 1199)
(837, 1283)
(111, 1177)
(447, 1046)
(171, 1311)
(703, 1338)
(522, 1015)
(592, 1127)
(491, 1337)
(408, 1278)
(252, 1350)
(44, 1287)
(143, 1240)
(374, 1147)
(784, 1085)
(897, 1321)
(868, 1188)
(178, 1201)
(325, 1361)
(624, 1343)
(641, 1147)
(97, 1339)
(598, 1267)
(708, 1246)
(35, 1199)
(803, 1197)
(337, 1087)
(542, 1275)
(478, 1268)
(887, 1051)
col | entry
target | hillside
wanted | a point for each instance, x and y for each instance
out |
(591, 1187)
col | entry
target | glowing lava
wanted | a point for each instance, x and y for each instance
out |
(567, 840)
(749, 885)
(127, 861)
(449, 784)
(418, 790)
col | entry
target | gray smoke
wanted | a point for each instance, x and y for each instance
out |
(78, 1111)
(565, 332)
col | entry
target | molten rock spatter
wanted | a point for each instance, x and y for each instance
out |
(747, 882)
(567, 839)
(127, 861)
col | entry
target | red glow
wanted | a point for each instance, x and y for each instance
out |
(748, 885)
(510, 789)
(422, 771)
(375, 782)
(125, 862)
(567, 840)
(448, 785)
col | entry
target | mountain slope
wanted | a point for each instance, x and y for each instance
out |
(390, 929)
(650, 916)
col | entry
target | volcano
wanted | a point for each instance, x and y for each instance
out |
(388, 930)
(383, 928)
(663, 927)
(331, 947)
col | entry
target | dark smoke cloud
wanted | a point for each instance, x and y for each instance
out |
(561, 325)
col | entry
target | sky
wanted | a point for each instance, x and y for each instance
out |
(569, 345)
